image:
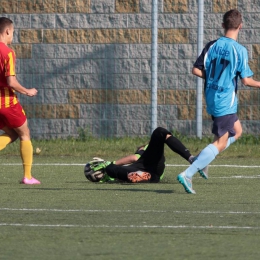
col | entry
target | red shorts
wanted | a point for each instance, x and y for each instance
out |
(12, 117)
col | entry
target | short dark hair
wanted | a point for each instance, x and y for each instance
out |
(4, 22)
(232, 19)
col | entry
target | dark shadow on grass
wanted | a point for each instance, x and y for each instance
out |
(118, 183)
(87, 189)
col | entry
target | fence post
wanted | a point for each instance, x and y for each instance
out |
(154, 65)
(199, 80)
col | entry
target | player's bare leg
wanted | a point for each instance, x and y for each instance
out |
(7, 137)
(238, 130)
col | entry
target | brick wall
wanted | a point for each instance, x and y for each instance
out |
(90, 61)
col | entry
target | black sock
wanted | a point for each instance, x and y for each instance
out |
(177, 146)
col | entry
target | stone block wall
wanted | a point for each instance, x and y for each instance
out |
(91, 63)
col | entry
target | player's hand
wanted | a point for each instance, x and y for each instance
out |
(31, 92)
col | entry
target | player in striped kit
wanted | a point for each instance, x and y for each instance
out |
(13, 121)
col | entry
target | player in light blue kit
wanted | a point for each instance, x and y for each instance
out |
(220, 64)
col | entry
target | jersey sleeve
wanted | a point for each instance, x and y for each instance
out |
(199, 63)
(10, 64)
(243, 69)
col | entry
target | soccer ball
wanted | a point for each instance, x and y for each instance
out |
(92, 174)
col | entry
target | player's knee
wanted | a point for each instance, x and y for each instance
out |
(160, 131)
(14, 136)
(25, 136)
(239, 134)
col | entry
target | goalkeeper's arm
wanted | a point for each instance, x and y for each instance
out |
(131, 158)
(127, 160)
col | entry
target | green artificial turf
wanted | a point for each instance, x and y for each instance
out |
(68, 217)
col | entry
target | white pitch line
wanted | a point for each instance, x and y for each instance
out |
(129, 226)
(47, 164)
(169, 165)
(237, 177)
(221, 165)
(131, 211)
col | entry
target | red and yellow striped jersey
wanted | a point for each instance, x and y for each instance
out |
(7, 68)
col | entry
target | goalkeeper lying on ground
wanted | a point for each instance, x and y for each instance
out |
(146, 165)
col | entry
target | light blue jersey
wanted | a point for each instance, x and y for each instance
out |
(223, 61)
